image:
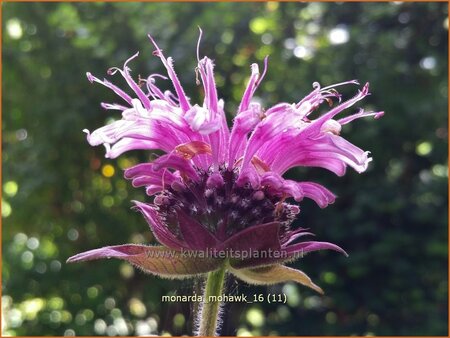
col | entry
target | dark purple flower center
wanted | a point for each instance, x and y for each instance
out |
(222, 206)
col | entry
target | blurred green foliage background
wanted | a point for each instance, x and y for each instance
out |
(60, 196)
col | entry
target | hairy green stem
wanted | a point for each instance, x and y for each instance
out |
(209, 314)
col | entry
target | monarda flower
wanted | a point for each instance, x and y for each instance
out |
(220, 190)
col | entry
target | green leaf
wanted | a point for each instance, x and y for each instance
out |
(158, 260)
(274, 274)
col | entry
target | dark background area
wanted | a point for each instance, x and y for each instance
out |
(60, 196)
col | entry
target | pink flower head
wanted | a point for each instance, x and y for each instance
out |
(220, 189)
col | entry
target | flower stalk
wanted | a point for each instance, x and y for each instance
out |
(209, 313)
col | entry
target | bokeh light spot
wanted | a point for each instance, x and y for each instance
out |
(267, 38)
(116, 313)
(289, 43)
(41, 267)
(108, 170)
(6, 209)
(331, 318)
(178, 320)
(227, 37)
(428, 63)
(338, 35)
(373, 319)
(329, 277)
(121, 326)
(424, 148)
(126, 270)
(32, 243)
(440, 170)
(27, 257)
(21, 134)
(142, 328)
(108, 201)
(272, 6)
(138, 309)
(20, 238)
(243, 332)
(69, 333)
(30, 308)
(92, 292)
(313, 302)
(15, 318)
(14, 29)
(110, 303)
(259, 25)
(255, 317)
(111, 331)
(55, 316)
(292, 294)
(72, 234)
(100, 326)
(55, 265)
(10, 188)
(302, 52)
(56, 303)
(80, 319)
(283, 312)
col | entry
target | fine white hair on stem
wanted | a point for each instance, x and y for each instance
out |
(198, 316)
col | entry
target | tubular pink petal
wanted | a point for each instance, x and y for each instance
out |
(269, 129)
(126, 74)
(249, 176)
(145, 171)
(292, 188)
(139, 170)
(215, 181)
(205, 67)
(127, 144)
(198, 119)
(266, 64)
(305, 247)
(184, 103)
(355, 82)
(153, 90)
(152, 189)
(250, 88)
(326, 151)
(175, 162)
(114, 131)
(331, 126)
(321, 195)
(112, 106)
(155, 179)
(252, 85)
(333, 112)
(244, 122)
(214, 118)
(273, 180)
(133, 85)
(360, 114)
(109, 85)
(278, 108)
(296, 236)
